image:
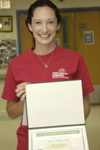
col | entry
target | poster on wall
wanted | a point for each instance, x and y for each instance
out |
(8, 51)
(5, 4)
(88, 37)
(6, 24)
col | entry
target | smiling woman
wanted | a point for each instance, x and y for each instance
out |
(42, 63)
(44, 27)
(43, 22)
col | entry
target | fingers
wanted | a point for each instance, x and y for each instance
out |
(20, 93)
(20, 90)
(23, 97)
(20, 87)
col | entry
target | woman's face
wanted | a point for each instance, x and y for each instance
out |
(44, 25)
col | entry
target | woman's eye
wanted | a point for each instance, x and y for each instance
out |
(37, 23)
(51, 22)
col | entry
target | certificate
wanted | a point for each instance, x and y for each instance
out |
(55, 116)
(63, 138)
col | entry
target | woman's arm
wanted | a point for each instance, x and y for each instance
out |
(86, 105)
(15, 109)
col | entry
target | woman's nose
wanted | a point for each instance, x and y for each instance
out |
(44, 28)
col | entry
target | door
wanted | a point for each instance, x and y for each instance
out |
(26, 38)
(91, 52)
(66, 36)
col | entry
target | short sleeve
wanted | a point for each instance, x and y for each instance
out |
(83, 73)
(10, 86)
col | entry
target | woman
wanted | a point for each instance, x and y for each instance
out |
(45, 62)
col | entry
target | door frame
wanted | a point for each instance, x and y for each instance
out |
(19, 12)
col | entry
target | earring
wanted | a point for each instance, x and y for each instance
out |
(58, 31)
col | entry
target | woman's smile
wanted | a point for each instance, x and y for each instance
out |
(44, 35)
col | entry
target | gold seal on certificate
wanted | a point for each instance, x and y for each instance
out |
(55, 116)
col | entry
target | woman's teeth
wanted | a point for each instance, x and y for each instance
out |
(44, 35)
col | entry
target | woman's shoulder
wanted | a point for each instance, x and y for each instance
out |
(21, 57)
(69, 53)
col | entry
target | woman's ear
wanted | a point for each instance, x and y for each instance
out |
(58, 27)
(30, 27)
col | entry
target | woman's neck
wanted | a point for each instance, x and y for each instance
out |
(44, 49)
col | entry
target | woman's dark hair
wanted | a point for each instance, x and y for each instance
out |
(42, 3)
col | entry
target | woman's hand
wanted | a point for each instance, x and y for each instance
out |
(21, 91)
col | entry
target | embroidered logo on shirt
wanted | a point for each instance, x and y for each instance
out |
(60, 74)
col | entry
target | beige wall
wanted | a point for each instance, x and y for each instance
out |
(79, 3)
